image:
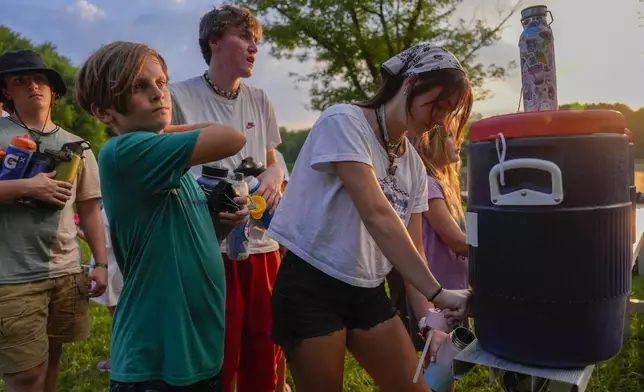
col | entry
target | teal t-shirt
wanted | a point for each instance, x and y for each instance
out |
(169, 323)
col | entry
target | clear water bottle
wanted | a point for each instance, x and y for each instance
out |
(260, 211)
(252, 169)
(237, 241)
(537, 53)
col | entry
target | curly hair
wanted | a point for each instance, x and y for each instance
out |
(215, 23)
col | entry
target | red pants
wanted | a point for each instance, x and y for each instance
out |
(250, 356)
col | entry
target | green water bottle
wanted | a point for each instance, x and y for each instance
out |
(69, 160)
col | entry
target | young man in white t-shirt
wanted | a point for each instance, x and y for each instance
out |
(228, 37)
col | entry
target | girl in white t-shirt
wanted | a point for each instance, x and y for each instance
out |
(354, 204)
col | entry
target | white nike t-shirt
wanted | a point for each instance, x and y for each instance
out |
(194, 101)
(317, 219)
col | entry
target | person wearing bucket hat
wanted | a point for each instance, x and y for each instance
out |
(43, 290)
(353, 209)
(28, 62)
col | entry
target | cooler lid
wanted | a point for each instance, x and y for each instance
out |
(548, 123)
(629, 134)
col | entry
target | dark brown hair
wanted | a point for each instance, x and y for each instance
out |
(107, 77)
(450, 81)
(215, 23)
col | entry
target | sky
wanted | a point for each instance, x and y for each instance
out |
(599, 46)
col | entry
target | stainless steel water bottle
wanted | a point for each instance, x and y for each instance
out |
(537, 53)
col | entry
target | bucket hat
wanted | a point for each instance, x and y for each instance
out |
(22, 61)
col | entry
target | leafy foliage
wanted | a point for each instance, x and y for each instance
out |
(67, 114)
(292, 142)
(350, 39)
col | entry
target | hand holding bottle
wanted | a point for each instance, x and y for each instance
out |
(235, 218)
(438, 339)
(44, 188)
(271, 186)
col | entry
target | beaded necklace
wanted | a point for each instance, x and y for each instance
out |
(390, 148)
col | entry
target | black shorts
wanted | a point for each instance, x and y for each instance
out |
(308, 303)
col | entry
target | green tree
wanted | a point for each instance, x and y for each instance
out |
(350, 39)
(292, 142)
(66, 113)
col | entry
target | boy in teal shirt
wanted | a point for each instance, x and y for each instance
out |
(168, 331)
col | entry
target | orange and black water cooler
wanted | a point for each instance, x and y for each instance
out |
(548, 223)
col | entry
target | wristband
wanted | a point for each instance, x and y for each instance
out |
(440, 289)
(100, 265)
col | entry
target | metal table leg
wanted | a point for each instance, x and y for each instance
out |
(561, 380)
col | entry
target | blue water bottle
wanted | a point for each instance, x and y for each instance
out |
(17, 157)
(41, 162)
(211, 174)
(237, 241)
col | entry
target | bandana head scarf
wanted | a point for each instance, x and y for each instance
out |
(421, 58)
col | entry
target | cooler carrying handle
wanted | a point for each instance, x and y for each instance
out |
(526, 197)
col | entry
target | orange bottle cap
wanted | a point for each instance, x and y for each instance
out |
(260, 206)
(23, 142)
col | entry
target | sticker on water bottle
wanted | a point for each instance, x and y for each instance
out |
(472, 229)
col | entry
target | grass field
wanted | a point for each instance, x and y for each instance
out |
(625, 373)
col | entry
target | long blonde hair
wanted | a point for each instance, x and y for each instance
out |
(431, 148)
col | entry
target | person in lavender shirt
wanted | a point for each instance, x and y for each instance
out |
(443, 222)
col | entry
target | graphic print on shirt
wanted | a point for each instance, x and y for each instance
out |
(398, 198)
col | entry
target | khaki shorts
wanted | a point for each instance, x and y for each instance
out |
(33, 314)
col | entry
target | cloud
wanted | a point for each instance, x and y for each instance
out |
(86, 10)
